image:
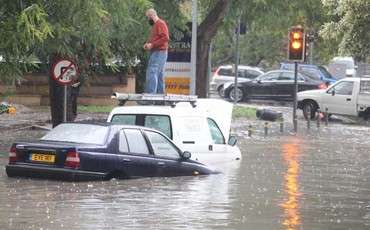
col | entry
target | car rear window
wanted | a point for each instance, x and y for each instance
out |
(78, 133)
(365, 87)
(226, 72)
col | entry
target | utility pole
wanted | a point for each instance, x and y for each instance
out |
(194, 27)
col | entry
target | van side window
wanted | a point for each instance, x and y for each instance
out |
(160, 123)
(161, 146)
(216, 133)
(124, 119)
(136, 141)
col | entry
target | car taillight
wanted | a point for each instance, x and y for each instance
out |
(13, 154)
(216, 73)
(72, 159)
(322, 86)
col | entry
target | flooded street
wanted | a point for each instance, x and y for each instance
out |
(315, 180)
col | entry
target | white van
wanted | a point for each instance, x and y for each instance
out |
(203, 130)
(342, 67)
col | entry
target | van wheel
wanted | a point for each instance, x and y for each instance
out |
(238, 93)
(309, 110)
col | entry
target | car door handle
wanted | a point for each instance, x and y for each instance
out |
(348, 99)
(188, 142)
(126, 160)
(161, 163)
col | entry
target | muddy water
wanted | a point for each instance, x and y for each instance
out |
(317, 180)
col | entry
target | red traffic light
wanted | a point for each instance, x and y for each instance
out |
(296, 48)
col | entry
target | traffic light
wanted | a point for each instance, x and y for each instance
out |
(297, 45)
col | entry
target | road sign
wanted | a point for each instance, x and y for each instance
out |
(64, 71)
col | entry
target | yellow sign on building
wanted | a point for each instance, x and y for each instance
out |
(177, 85)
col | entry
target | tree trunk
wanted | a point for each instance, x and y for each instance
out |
(206, 31)
(57, 99)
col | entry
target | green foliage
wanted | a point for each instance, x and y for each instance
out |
(244, 112)
(268, 22)
(90, 32)
(349, 26)
(95, 109)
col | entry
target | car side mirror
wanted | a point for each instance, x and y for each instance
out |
(259, 81)
(333, 92)
(186, 155)
(232, 141)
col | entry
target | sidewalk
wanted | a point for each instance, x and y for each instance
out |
(38, 116)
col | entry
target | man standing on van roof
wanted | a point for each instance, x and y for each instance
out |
(157, 44)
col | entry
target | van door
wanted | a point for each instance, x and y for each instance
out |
(218, 147)
(340, 99)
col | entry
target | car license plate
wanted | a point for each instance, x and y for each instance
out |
(43, 158)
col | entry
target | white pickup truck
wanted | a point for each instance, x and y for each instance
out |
(349, 96)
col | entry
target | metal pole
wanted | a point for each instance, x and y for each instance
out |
(236, 59)
(311, 50)
(65, 104)
(209, 67)
(295, 104)
(194, 27)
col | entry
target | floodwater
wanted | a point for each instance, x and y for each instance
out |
(315, 180)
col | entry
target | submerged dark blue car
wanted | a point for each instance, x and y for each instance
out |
(81, 152)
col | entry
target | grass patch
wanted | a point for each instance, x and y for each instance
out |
(95, 108)
(245, 112)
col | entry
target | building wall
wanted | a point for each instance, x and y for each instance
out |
(33, 90)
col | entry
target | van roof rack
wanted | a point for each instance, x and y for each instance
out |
(156, 99)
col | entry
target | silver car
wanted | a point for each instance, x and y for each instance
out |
(226, 73)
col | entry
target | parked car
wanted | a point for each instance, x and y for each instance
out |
(311, 70)
(348, 96)
(273, 85)
(80, 152)
(226, 73)
(203, 130)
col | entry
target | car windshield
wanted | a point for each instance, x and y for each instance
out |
(325, 72)
(78, 133)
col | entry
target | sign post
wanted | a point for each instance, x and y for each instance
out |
(64, 72)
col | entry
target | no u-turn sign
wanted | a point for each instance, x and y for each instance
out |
(64, 71)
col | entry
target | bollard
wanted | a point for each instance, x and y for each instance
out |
(266, 128)
(281, 126)
(309, 123)
(318, 118)
(250, 129)
(326, 117)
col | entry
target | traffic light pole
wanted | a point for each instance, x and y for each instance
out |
(295, 104)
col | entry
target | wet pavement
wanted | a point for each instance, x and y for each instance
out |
(318, 179)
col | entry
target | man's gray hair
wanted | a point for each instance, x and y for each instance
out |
(151, 12)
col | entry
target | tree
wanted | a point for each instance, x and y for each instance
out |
(349, 26)
(88, 32)
(267, 23)
(206, 31)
